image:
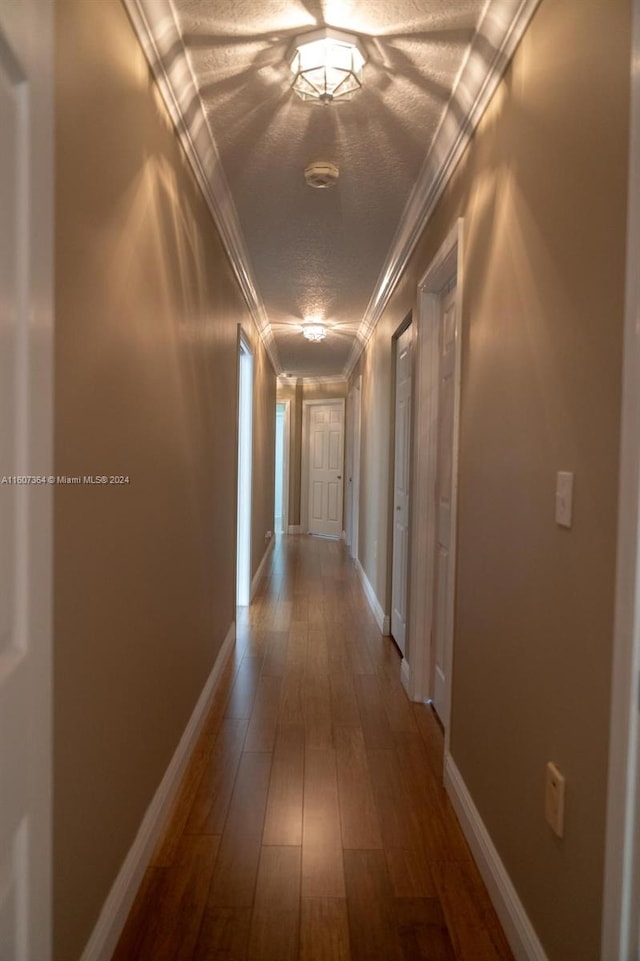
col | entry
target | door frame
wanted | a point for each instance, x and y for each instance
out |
(26, 657)
(304, 466)
(406, 324)
(354, 401)
(622, 852)
(447, 262)
(244, 470)
(285, 463)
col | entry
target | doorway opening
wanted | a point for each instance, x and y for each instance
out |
(281, 499)
(621, 909)
(245, 459)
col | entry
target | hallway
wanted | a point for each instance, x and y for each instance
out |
(312, 822)
(417, 225)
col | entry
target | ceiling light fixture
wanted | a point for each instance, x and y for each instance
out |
(314, 332)
(321, 174)
(327, 66)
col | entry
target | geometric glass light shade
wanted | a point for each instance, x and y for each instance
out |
(327, 66)
(314, 332)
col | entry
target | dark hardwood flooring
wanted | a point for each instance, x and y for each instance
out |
(312, 824)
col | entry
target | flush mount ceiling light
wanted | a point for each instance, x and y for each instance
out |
(327, 66)
(321, 174)
(314, 332)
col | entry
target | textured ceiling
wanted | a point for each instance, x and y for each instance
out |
(318, 253)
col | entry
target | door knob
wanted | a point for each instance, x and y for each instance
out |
(339, 476)
(398, 507)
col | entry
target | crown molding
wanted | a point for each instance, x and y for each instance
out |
(497, 37)
(285, 381)
(294, 381)
(329, 379)
(156, 27)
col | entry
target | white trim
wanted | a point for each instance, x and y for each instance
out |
(258, 574)
(157, 30)
(294, 529)
(115, 910)
(382, 620)
(500, 32)
(304, 454)
(448, 262)
(519, 931)
(405, 675)
(620, 920)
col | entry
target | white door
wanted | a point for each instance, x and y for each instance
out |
(401, 475)
(245, 468)
(326, 444)
(356, 406)
(442, 602)
(26, 399)
(279, 511)
(348, 469)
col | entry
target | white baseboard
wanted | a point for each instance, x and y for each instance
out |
(294, 529)
(383, 621)
(259, 572)
(520, 933)
(115, 910)
(405, 676)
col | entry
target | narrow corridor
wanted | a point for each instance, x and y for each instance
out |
(312, 822)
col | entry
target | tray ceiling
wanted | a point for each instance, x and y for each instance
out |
(331, 255)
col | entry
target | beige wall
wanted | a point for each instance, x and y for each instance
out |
(147, 310)
(542, 189)
(374, 537)
(297, 394)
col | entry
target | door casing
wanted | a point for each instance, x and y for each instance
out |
(403, 630)
(26, 438)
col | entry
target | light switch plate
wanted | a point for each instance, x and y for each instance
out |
(564, 498)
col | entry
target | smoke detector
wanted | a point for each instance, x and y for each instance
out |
(321, 174)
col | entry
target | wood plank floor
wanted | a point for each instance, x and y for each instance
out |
(312, 824)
